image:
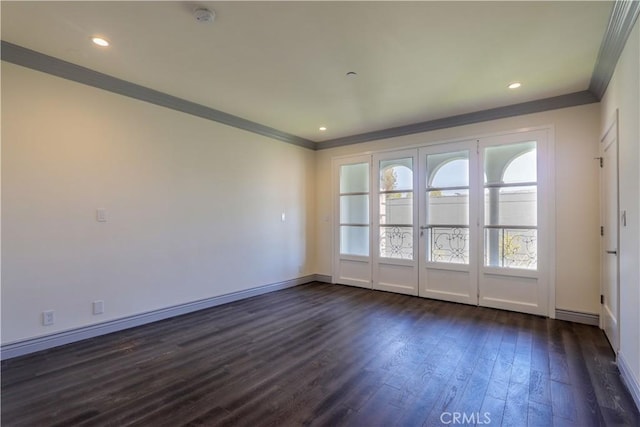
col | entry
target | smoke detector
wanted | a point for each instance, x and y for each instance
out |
(204, 16)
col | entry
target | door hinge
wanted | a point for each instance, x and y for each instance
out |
(601, 299)
(601, 159)
(601, 230)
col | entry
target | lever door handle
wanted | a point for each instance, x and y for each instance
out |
(612, 252)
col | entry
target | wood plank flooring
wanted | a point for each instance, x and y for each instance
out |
(328, 355)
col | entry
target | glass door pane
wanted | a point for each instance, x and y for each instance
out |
(447, 198)
(396, 208)
(511, 206)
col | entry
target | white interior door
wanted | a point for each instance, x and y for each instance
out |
(448, 222)
(352, 258)
(394, 226)
(514, 217)
(610, 232)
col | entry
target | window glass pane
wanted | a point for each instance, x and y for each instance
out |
(448, 244)
(354, 178)
(448, 169)
(354, 240)
(511, 248)
(522, 169)
(396, 242)
(354, 209)
(511, 206)
(448, 207)
(396, 208)
(511, 163)
(396, 174)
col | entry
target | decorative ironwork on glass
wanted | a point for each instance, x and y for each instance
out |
(396, 242)
(449, 244)
(517, 248)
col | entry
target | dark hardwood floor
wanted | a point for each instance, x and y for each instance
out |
(326, 355)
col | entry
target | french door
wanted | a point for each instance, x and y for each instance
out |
(395, 254)
(448, 217)
(463, 222)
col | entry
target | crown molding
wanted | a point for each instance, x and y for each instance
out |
(623, 16)
(546, 104)
(621, 21)
(48, 64)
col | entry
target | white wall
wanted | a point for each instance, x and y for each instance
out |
(577, 211)
(623, 93)
(194, 207)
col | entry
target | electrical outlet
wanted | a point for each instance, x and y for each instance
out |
(48, 318)
(101, 215)
(98, 307)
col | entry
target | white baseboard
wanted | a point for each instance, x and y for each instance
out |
(629, 380)
(322, 278)
(578, 317)
(21, 348)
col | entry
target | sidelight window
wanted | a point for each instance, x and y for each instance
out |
(354, 209)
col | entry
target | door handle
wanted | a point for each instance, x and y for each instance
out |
(422, 228)
(612, 252)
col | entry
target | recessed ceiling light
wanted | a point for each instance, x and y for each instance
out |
(100, 41)
(514, 85)
(322, 128)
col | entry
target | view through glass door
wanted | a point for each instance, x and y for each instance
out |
(461, 222)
